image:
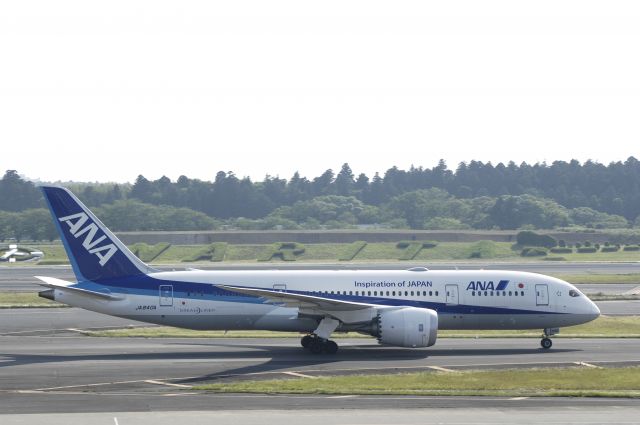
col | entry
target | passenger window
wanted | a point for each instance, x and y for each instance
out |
(436, 293)
(473, 293)
(430, 293)
(369, 293)
(522, 293)
(509, 293)
(394, 293)
(516, 293)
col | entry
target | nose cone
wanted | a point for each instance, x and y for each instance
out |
(595, 311)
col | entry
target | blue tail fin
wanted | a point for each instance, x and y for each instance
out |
(95, 253)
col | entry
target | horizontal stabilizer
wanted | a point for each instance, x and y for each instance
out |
(63, 285)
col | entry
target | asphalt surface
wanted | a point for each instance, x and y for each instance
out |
(619, 308)
(47, 366)
(75, 373)
(21, 278)
(593, 414)
(48, 321)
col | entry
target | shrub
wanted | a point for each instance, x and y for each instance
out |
(412, 248)
(482, 249)
(533, 252)
(352, 250)
(631, 248)
(578, 245)
(562, 243)
(561, 250)
(529, 238)
(611, 248)
(148, 253)
(287, 251)
(214, 252)
(587, 243)
(554, 259)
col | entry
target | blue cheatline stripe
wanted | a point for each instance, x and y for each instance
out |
(149, 286)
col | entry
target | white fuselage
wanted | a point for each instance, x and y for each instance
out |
(479, 299)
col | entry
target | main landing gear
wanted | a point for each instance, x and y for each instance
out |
(546, 342)
(317, 345)
(319, 342)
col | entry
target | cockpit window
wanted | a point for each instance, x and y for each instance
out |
(574, 293)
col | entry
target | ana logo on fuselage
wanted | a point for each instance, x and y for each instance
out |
(487, 286)
(77, 228)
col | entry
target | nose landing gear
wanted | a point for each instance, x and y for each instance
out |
(546, 342)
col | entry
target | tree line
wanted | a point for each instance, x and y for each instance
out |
(475, 195)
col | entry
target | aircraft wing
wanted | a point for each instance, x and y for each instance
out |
(53, 283)
(300, 300)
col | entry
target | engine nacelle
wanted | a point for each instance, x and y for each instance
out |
(407, 327)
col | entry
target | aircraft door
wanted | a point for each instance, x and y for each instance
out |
(542, 294)
(452, 294)
(166, 295)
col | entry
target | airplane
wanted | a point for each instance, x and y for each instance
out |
(403, 308)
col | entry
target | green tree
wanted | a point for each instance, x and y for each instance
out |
(17, 194)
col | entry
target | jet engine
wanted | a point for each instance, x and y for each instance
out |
(407, 327)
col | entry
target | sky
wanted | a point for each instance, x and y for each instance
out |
(104, 91)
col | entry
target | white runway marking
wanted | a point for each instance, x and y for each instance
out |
(443, 369)
(300, 375)
(588, 365)
(168, 384)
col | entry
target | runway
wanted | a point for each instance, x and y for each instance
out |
(51, 368)
(46, 373)
(47, 366)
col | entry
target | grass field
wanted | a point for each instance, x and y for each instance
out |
(603, 327)
(573, 382)
(388, 252)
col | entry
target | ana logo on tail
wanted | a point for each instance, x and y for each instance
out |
(76, 223)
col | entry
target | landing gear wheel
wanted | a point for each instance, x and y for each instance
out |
(330, 347)
(546, 343)
(306, 340)
(316, 346)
